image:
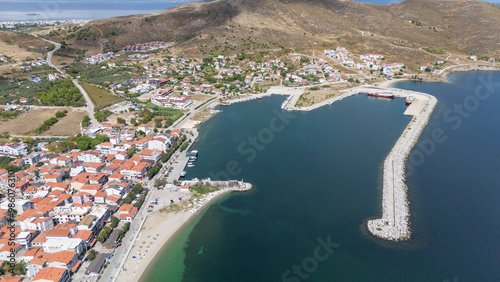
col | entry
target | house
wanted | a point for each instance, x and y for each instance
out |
(63, 259)
(100, 197)
(50, 274)
(70, 213)
(54, 245)
(127, 212)
(176, 133)
(150, 154)
(91, 157)
(82, 198)
(88, 178)
(86, 235)
(161, 143)
(7, 249)
(37, 223)
(30, 254)
(113, 199)
(61, 161)
(24, 239)
(13, 149)
(21, 205)
(91, 188)
(143, 143)
(145, 128)
(35, 79)
(93, 167)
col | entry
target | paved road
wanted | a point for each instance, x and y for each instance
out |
(121, 253)
(89, 105)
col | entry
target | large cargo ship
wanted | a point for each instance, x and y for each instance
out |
(381, 94)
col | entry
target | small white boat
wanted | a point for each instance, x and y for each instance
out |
(183, 174)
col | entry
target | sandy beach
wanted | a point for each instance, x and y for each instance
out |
(157, 230)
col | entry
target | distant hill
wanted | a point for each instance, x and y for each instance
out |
(401, 30)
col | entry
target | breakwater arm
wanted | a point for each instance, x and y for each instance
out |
(394, 224)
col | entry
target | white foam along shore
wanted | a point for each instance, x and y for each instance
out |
(394, 224)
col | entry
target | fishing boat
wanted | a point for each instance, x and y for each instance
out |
(410, 100)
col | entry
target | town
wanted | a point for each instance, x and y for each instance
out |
(76, 198)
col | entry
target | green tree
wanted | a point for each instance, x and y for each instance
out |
(114, 222)
(91, 255)
(60, 114)
(83, 144)
(29, 140)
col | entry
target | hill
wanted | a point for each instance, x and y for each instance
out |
(401, 30)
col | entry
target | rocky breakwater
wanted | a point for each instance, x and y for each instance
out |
(394, 224)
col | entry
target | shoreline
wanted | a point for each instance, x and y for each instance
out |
(160, 227)
(394, 204)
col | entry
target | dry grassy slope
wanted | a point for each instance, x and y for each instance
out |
(461, 26)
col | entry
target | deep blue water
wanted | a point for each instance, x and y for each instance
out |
(319, 179)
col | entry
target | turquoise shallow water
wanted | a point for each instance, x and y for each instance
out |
(316, 179)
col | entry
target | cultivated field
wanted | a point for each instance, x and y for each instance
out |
(100, 97)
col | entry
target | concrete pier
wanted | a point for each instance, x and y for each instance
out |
(394, 224)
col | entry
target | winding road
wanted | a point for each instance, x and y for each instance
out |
(89, 105)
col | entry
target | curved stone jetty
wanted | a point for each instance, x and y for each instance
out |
(394, 224)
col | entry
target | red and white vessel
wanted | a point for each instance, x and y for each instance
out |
(410, 100)
(381, 94)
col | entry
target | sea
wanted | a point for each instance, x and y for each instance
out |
(78, 10)
(317, 180)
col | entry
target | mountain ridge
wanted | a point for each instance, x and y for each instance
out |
(402, 29)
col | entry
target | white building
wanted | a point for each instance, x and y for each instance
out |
(160, 143)
(54, 245)
(13, 149)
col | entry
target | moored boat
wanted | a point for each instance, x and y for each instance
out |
(410, 100)
(384, 94)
